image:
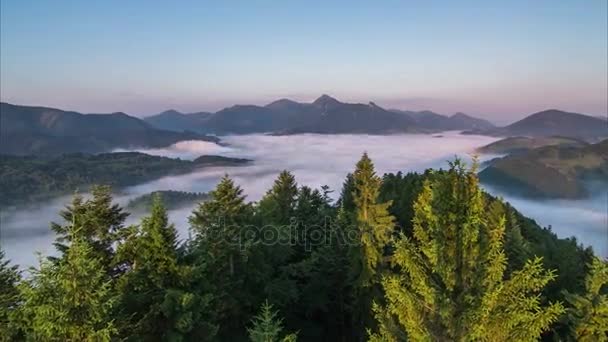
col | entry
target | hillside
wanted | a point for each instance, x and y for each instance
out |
(25, 179)
(523, 144)
(433, 121)
(171, 200)
(555, 123)
(40, 130)
(551, 171)
(325, 115)
(173, 120)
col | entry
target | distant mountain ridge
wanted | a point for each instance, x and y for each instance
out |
(43, 130)
(554, 122)
(325, 115)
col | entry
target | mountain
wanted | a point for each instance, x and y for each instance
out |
(330, 116)
(173, 120)
(555, 122)
(465, 121)
(325, 115)
(42, 130)
(551, 171)
(523, 144)
(433, 121)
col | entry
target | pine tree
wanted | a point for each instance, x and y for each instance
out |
(278, 205)
(155, 279)
(101, 223)
(374, 226)
(71, 299)
(374, 223)
(267, 327)
(276, 213)
(449, 278)
(222, 247)
(589, 312)
(9, 296)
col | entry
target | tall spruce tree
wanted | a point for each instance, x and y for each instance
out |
(71, 299)
(278, 205)
(101, 223)
(155, 279)
(222, 246)
(449, 280)
(588, 314)
(375, 225)
(9, 296)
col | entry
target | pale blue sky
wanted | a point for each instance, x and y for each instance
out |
(497, 59)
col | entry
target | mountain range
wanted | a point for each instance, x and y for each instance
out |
(49, 131)
(325, 115)
(42, 130)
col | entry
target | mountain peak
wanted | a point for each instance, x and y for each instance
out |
(324, 100)
(171, 112)
(461, 115)
(282, 103)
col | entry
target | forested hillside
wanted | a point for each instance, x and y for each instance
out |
(25, 179)
(421, 257)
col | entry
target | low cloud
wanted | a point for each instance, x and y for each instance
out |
(315, 160)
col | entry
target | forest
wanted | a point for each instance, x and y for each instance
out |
(399, 257)
(29, 179)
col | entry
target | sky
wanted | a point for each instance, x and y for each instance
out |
(500, 60)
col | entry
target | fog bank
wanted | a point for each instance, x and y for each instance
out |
(315, 160)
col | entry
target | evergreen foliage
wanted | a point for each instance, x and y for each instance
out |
(69, 300)
(588, 314)
(9, 295)
(440, 259)
(156, 301)
(267, 327)
(449, 280)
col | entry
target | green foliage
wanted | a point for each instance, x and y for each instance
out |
(222, 246)
(9, 295)
(374, 227)
(374, 223)
(171, 200)
(100, 223)
(27, 179)
(448, 282)
(441, 260)
(588, 314)
(70, 300)
(155, 298)
(267, 327)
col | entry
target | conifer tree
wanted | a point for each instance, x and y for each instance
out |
(588, 314)
(155, 279)
(267, 327)
(101, 222)
(449, 281)
(222, 246)
(374, 226)
(276, 213)
(9, 295)
(278, 205)
(374, 223)
(71, 299)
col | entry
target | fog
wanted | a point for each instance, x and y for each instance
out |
(315, 160)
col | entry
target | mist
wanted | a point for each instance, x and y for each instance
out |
(315, 160)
